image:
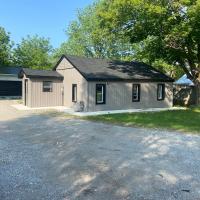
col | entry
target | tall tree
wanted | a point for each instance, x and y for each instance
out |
(171, 28)
(5, 48)
(87, 38)
(33, 52)
(92, 35)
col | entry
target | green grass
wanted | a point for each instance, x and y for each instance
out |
(181, 120)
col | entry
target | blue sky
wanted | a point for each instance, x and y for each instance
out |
(48, 18)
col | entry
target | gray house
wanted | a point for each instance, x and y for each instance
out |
(89, 84)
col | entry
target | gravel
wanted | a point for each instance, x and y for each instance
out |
(48, 157)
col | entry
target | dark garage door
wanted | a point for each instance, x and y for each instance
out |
(10, 88)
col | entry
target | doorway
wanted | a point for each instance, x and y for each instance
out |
(25, 91)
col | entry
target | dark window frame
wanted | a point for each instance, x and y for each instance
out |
(163, 91)
(136, 100)
(104, 94)
(46, 89)
(74, 95)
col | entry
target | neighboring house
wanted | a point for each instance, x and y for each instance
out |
(184, 80)
(10, 84)
(87, 84)
(184, 91)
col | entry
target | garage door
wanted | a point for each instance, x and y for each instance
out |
(10, 88)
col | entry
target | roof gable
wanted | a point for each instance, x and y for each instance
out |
(107, 70)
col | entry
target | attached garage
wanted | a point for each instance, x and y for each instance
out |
(41, 88)
(10, 84)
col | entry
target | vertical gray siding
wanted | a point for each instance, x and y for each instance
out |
(37, 98)
(119, 96)
(72, 76)
(45, 99)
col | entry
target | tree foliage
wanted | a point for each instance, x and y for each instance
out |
(33, 52)
(87, 38)
(5, 48)
(162, 33)
(104, 30)
(170, 27)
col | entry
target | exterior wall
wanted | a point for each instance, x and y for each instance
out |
(119, 96)
(37, 98)
(72, 76)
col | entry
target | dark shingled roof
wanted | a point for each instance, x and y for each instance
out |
(108, 70)
(10, 70)
(32, 73)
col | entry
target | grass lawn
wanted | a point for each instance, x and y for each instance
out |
(182, 120)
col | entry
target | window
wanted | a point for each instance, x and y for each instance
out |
(136, 93)
(74, 93)
(47, 86)
(161, 92)
(100, 93)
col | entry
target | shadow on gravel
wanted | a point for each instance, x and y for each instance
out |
(49, 157)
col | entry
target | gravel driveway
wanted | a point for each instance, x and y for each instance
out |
(45, 157)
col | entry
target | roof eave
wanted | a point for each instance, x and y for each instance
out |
(52, 77)
(127, 80)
